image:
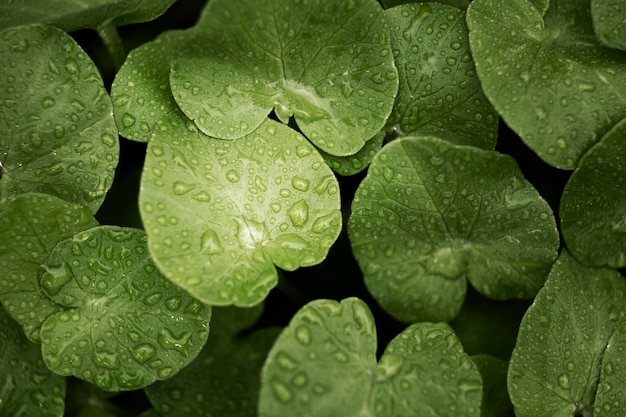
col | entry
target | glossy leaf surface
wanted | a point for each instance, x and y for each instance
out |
(593, 206)
(461, 4)
(122, 325)
(439, 92)
(220, 214)
(353, 164)
(57, 134)
(327, 63)
(608, 22)
(430, 214)
(27, 387)
(31, 225)
(324, 364)
(569, 358)
(547, 75)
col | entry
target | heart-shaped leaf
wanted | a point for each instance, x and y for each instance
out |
(327, 63)
(27, 386)
(430, 214)
(324, 364)
(244, 206)
(608, 22)
(31, 225)
(58, 134)
(122, 325)
(439, 92)
(569, 358)
(593, 206)
(547, 75)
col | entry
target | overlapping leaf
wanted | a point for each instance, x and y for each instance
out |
(593, 206)
(353, 164)
(122, 325)
(461, 4)
(324, 364)
(31, 225)
(547, 75)
(430, 214)
(57, 135)
(608, 22)
(569, 357)
(220, 214)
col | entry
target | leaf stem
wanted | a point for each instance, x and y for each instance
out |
(111, 39)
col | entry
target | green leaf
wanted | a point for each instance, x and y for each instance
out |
(122, 325)
(58, 135)
(353, 164)
(219, 214)
(569, 358)
(461, 4)
(327, 63)
(547, 75)
(224, 376)
(31, 225)
(430, 213)
(71, 15)
(439, 92)
(608, 22)
(324, 364)
(593, 205)
(27, 387)
(496, 401)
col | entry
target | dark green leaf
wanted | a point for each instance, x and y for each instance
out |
(609, 22)
(496, 401)
(461, 4)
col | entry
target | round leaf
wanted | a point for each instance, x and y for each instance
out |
(593, 206)
(58, 135)
(327, 63)
(439, 91)
(547, 75)
(324, 364)
(31, 225)
(608, 22)
(219, 214)
(569, 357)
(27, 387)
(430, 213)
(123, 325)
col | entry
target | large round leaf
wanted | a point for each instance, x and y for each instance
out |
(327, 63)
(439, 91)
(122, 325)
(547, 75)
(430, 214)
(57, 135)
(31, 225)
(569, 358)
(593, 206)
(324, 364)
(219, 214)
(27, 387)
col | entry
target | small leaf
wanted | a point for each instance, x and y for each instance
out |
(593, 205)
(569, 357)
(122, 325)
(327, 63)
(608, 22)
(430, 213)
(439, 92)
(243, 206)
(58, 135)
(31, 225)
(324, 364)
(27, 387)
(353, 164)
(547, 75)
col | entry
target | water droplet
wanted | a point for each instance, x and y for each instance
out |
(276, 207)
(106, 360)
(180, 343)
(303, 335)
(299, 213)
(232, 176)
(152, 299)
(300, 184)
(563, 381)
(210, 243)
(181, 188)
(282, 392)
(47, 102)
(173, 303)
(143, 352)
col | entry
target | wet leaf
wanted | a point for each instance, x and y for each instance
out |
(324, 364)
(31, 225)
(569, 357)
(220, 214)
(122, 325)
(430, 214)
(353, 164)
(439, 92)
(27, 387)
(496, 401)
(547, 75)
(608, 22)
(58, 135)
(327, 63)
(461, 4)
(71, 15)
(224, 376)
(593, 206)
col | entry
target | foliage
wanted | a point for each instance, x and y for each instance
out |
(275, 208)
